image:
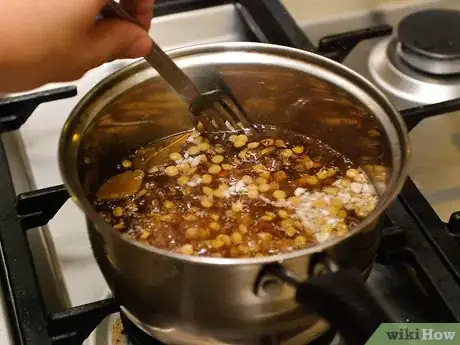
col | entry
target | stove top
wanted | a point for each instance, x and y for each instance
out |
(52, 287)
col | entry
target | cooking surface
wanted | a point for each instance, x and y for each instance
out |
(64, 260)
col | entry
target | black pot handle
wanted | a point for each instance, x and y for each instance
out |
(342, 298)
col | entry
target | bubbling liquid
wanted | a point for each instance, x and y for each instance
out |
(236, 195)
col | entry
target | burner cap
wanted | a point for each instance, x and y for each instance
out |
(430, 41)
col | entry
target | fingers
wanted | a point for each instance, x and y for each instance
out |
(142, 10)
(113, 39)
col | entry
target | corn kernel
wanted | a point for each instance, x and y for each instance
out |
(300, 240)
(237, 207)
(175, 156)
(242, 229)
(193, 150)
(171, 171)
(225, 238)
(117, 211)
(280, 176)
(319, 203)
(191, 233)
(287, 153)
(145, 235)
(264, 236)
(253, 145)
(310, 179)
(215, 216)
(217, 159)
(333, 211)
(247, 179)
(206, 202)
(342, 213)
(290, 231)
(198, 139)
(352, 173)
(232, 138)
(203, 146)
(217, 243)
(207, 190)
(267, 150)
(168, 204)
(234, 252)
(126, 163)
(227, 166)
(219, 193)
(266, 217)
(185, 168)
(263, 188)
(294, 200)
(252, 187)
(252, 194)
(259, 168)
(297, 149)
(243, 249)
(214, 226)
(186, 249)
(219, 148)
(206, 178)
(342, 229)
(239, 143)
(279, 143)
(214, 169)
(242, 154)
(279, 194)
(324, 174)
(283, 214)
(237, 238)
(183, 180)
(331, 190)
(336, 202)
(309, 164)
(242, 137)
(142, 192)
(265, 174)
(261, 180)
(319, 221)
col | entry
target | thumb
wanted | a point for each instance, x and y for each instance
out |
(111, 39)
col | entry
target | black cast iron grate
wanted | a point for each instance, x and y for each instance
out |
(413, 233)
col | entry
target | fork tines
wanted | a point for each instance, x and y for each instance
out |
(218, 111)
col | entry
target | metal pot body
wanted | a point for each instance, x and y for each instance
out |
(220, 298)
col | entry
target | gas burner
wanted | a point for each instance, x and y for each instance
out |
(421, 63)
(393, 74)
(429, 41)
(120, 330)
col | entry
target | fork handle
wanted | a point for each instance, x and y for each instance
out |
(158, 59)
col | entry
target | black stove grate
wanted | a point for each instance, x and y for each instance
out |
(413, 235)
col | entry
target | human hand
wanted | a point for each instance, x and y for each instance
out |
(56, 41)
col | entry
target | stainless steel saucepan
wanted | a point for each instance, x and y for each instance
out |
(228, 301)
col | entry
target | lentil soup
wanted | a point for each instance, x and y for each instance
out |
(236, 195)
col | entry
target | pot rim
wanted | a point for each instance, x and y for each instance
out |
(395, 184)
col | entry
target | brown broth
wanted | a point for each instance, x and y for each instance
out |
(236, 195)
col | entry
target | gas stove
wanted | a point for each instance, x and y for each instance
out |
(52, 289)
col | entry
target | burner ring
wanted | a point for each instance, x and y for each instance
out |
(430, 41)
(428, 65)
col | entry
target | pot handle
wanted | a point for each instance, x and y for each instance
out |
(341, 297)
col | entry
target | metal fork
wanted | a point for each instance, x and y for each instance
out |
(217, 110)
